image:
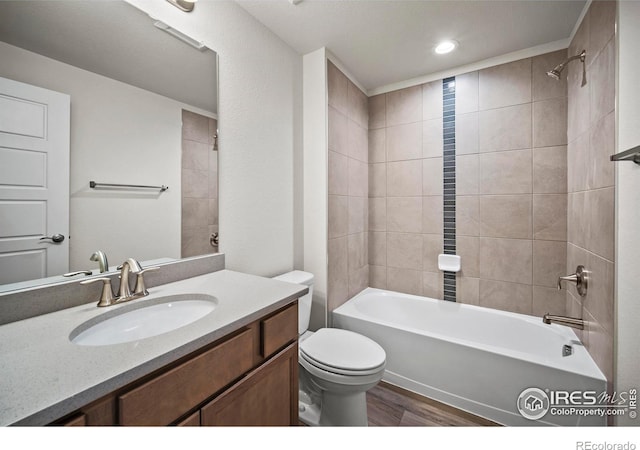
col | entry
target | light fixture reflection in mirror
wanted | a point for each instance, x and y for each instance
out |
(184, 5)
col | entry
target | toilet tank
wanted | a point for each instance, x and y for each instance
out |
(304, 302)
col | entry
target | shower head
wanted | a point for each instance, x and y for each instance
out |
(557, 70)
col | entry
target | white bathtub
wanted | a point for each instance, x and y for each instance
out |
(476, 359)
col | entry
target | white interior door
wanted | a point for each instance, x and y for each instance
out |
(34, 182)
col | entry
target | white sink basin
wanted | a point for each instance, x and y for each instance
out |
(143, 320)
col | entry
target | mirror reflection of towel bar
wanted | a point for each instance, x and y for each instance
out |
(94, 185)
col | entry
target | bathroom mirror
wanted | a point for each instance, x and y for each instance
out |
(143, 112)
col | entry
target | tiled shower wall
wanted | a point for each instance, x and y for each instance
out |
(591, 133)
(510, 186)
(199, 184)
(348, 271)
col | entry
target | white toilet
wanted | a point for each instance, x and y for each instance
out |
(337, 367)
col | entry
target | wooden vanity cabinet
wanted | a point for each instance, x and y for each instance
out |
(249, 377)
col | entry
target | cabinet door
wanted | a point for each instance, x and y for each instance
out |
(268, 396)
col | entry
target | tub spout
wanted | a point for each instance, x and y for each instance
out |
(573, 322)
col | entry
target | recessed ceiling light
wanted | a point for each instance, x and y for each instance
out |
(445, 47)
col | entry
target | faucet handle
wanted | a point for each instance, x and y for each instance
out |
(140, 288)
(580, 278)
(106, 297)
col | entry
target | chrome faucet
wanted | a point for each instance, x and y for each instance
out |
(124, 293)
(573, 322)
(101, 258)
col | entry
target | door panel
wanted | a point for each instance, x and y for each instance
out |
(34, 181)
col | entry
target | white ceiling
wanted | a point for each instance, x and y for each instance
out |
(114, 39)
(383, 42)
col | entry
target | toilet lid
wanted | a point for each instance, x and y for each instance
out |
(342, 350)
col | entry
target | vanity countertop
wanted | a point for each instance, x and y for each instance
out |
(44, 376)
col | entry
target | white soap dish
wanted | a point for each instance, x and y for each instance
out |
(449, 263)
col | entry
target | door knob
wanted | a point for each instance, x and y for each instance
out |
(56, 238)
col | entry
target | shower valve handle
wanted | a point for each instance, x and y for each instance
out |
(580, 278)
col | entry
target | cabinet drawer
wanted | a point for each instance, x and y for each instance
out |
(192, 421)
(77, 421)
(279, 330)
(172, 394)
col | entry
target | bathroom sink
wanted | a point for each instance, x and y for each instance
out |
(143, 320)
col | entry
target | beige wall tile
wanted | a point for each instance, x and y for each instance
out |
(377, 180)
(545, 87)
(578, 103)
(468, 248)
(432, 219)
(505, 85)
(357, 142)
(600, 346)
(550, 170)
(404, 280)
(432, 285)
(377, 111)
(377, 145)
(212, 183)
(378, 214)
(195, 241)
(512, 297)
(404, 142)
(550, 217)
(506, 172)
(550, 122)
(467, 133)
(468, 290)
(549, 262)
(338, 88)
(358, 280)
(404, 250)
(195, 127)
(404, 214)
(506, 216)
(507, 128)
(432, 176)
(338, 131)
(432, 246)
(432, 100)
(195, 155)
(601, 147)
(358, 250)
(338, 174)
(506, 260)
(575, 256)
(358, 178)
(338, 216)
(358, 216)
(602, 79)
(195, 212)
(432, 138)
(404, 106)
(578, 219)
(404, 178)
(195, 183)
(467, 172)
(548, 300)
(601, 204)
(338, 273)
(602, 21)
(578, 164)
(358, 105)
(580, 40)
(600, 294)
(378, 277)
(467, 215)
(213, 211)
(377, 248)
(467, 93)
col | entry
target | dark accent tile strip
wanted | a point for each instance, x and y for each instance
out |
(449, 180)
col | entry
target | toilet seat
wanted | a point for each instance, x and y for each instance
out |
(343, 352)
